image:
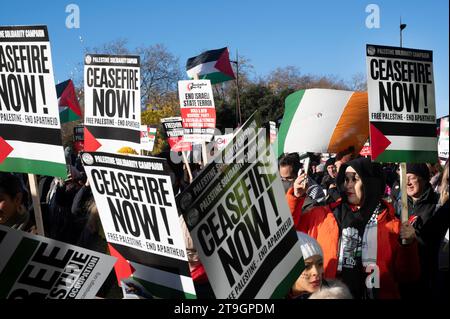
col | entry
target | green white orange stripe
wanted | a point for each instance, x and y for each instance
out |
(323, 120)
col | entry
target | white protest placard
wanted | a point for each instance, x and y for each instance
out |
(112, 95)
(135, 200)
(273, 131)
(36, 267)
(173, 127)
(30, 129)
(402, 110)
(239, 220)
(197, 110)
(443, 140)
(148, 136)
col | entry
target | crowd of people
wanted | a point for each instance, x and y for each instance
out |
(346, 210)
(357, 225)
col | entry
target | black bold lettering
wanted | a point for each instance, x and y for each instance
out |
(385, 96)
(258, 223)
(397, 97)
(97, 177)
(230, 260)
(202, 232)
(242, 238)
(99, 102)
(51, 259)
(38, 281)
(411, 93)
(117, 215)
(148, 222)
(123, 103)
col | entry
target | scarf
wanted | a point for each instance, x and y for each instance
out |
(357, 248)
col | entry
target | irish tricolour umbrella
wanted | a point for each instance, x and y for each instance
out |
(324, 121)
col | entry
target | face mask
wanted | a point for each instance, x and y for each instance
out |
(287, 185)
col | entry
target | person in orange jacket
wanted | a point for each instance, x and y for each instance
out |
(360, 236)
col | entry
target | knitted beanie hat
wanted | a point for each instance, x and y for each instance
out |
(309, 246)
(419, 169)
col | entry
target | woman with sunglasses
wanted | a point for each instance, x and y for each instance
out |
(360, 236)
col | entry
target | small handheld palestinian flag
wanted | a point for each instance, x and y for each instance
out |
(69, 109)
(213, 65)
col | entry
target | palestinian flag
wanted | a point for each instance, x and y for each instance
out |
(213, 65)
(323, 121)
(162, 277)
(69, 109)
(34, 150)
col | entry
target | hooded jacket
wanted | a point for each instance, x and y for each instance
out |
(431, 225)
(396, 263)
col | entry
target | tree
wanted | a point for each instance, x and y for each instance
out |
(160, 72)
(358, 82)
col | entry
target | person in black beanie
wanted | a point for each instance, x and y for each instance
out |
(329, 181)
(430, 231)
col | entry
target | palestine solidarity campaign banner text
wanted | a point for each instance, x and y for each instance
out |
(112, 95)
(135, 200)
(30, 129)
(239, 220)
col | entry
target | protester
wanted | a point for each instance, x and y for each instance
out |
(335, 290)
(441, 284)
(329, 181)
(344, 156)
(429, 226)
(58, 218)
(329, 178)
(14, 212)
(316, 172)
(198, 273)
(311, 279)
(435, 175)
(359, 233)
(93, 237)
(288, 166)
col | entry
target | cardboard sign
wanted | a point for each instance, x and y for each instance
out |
(197, 110)
(30, 129)
(173, 127)
(112, 94)
(148, 136)
(443, 140)
(135, 200)
(402, 110)
(36, 267)
(239, 221)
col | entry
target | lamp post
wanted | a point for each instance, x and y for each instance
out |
(402, 26)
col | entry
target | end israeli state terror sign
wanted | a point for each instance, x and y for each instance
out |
(239, 220)
(197, 110)
(112, 95)
(35, 267)
(402, 111)
(137, 208)
(30, 128)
